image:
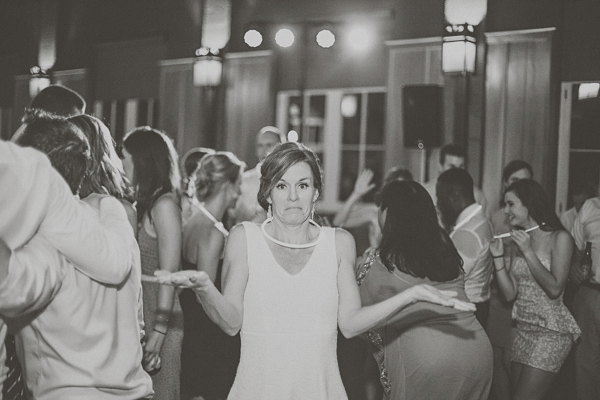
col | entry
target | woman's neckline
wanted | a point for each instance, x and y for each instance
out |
(291, 245)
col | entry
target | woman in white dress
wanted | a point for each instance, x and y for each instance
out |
(288, 284)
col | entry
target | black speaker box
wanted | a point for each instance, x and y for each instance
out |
(422, 106)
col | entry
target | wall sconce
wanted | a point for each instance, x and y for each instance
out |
(459, 46)
(208, 67)
(39, 79)
(459, 49)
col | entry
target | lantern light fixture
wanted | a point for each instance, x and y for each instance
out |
(39, 79)
(208, 67)
(459, 49)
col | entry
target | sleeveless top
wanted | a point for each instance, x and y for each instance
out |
(289, 328)
(533, 306)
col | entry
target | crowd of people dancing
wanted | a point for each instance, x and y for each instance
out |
(126, 273)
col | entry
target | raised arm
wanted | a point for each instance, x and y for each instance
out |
(362, 186)
(30, 277)
(353, 319)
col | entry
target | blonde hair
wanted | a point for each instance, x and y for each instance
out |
(214, 170)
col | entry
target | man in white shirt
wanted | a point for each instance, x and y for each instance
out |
(586, 304)
(88, 332)
(34, 199)
(452, 156)
(247, 207)
(471, 233)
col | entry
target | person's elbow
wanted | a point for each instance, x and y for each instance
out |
(232, 330)
(348, 330)
(554, 293)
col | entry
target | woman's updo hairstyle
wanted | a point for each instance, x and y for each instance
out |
(279, 161)
(214, 170)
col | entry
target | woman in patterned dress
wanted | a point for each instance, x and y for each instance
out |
(545, 329)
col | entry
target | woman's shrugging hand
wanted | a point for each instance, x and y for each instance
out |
(196, 280)
(442, 297)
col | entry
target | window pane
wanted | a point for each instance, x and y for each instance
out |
(351, 106)
(584, 168)
(315, 119)
(375, 118)
(349, 173)
(585, 123)
(294, 111)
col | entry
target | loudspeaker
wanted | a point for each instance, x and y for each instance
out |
(422, 108)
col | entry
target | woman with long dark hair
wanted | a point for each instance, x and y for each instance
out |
(545, 329)
(425, 351)
(150, 163)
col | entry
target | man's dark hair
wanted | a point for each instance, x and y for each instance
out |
(60, 100)
(63, 143)
(459, 182)
(451, 150)
(514, 166)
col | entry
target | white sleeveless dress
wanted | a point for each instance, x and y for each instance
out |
(289, 330)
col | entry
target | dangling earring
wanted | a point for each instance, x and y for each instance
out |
(270, 213)
(312, 212)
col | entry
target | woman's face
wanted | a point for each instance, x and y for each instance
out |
(517, 213)
(128, 165)
(517, 176)
(293, 196)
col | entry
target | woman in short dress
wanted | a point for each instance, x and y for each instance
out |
(545, 329)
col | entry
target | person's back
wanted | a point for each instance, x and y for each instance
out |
(89, 336)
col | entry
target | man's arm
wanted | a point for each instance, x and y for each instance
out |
(38, 199)
(102, 249)
(30, 277)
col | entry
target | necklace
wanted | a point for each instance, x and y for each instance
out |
(218, 224)
(290, 245)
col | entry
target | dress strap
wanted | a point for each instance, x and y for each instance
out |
(218, 224)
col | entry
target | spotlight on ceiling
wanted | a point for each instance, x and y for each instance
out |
(284, 37)
(253, 38)
(325, 38)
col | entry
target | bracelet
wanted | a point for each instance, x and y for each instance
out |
(162, 318)
(499, 269)
(500, 256)
(162, 333)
